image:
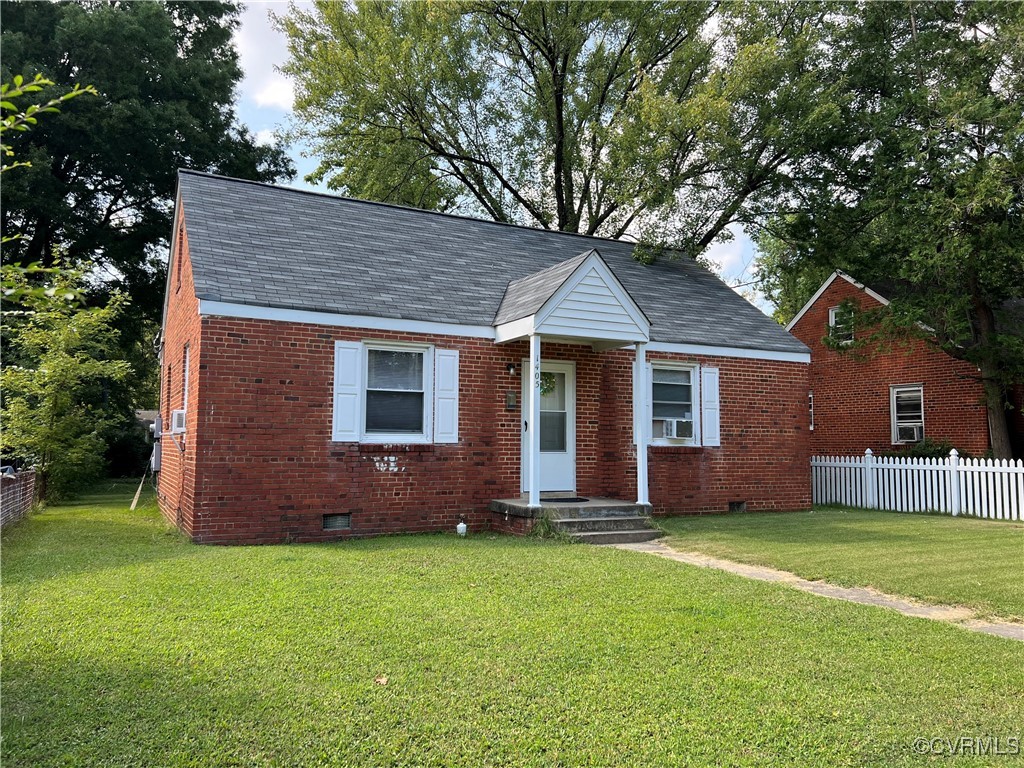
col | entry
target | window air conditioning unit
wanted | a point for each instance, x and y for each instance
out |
(910, 433)
(677, 428)
(177, 422)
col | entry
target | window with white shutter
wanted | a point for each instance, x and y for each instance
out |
(395, 393)
(683, 407)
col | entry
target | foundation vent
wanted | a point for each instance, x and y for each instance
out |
(337, 522)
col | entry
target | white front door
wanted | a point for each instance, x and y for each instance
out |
(557, 427)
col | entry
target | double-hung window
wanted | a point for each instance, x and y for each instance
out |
(395, 401)
(684, 406)
(906, 405)
(840, 325)
(672, 396)
(386, 392)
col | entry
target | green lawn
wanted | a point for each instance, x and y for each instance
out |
(125, 645)
(939, 559)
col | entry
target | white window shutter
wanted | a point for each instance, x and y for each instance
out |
(710, 411)
(348, 391)
(446, 396)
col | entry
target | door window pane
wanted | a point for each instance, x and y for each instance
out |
(552, 431)
(552, 391)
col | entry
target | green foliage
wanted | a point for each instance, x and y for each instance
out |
(670, 120)
(56, 381)
(487, 651)
(924, 195)
(15, 119)
(102, 178)
(926, 449)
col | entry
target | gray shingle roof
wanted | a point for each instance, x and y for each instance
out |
(525, 296)
(271, 246)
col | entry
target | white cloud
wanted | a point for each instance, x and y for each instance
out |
(260, 49)
(265, 137)
(277, 93)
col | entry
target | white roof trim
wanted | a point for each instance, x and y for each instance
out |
(824, 286)
(209, 308)
(250, 312)
(738, 352)
(170, 270)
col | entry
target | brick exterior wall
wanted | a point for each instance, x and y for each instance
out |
(851, 395)
(259, 465)
(177, 481)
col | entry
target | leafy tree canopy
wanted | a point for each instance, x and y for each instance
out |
(667, 120)
(927, 197)
(102, 178)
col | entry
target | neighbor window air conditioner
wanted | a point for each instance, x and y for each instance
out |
(676, 428)
(177, 422)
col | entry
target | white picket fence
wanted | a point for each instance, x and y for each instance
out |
(989, 488)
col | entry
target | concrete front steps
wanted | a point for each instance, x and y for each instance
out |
(593, 521)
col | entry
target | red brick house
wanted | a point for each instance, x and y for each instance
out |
(888, 401)
(334, 367)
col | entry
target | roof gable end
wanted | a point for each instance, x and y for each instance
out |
(588, 303)
(824, 287)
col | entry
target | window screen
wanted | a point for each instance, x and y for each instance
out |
(907, 414)
(672, 400)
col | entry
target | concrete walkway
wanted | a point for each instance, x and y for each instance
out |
(964, 617)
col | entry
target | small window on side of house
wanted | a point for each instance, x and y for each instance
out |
(840, 325)
(907, 412)
(185, 360)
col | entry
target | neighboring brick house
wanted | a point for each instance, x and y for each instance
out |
(888, 401)
(334, 367)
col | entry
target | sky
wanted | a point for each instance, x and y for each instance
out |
(265, 104)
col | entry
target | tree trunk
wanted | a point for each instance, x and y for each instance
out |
(998, 425)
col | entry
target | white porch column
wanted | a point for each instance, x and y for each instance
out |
(641, 388)
(533, 423)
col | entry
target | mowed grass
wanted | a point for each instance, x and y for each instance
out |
(125, 645)
(935, 558)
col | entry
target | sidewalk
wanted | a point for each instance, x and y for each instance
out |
(964, 617)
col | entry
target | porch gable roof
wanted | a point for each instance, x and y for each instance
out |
(579, 298)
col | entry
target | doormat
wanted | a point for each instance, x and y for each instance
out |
(564, 500)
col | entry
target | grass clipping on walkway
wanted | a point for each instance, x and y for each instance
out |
(934, 558)
(125, 645)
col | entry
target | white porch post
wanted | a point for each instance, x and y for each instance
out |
(533, 423)
(640, 390)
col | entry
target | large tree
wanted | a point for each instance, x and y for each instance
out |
(928, 196)
(101, 181)
(671, 121)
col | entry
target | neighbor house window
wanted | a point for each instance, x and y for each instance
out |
(907, 408)
(840, 325)
(395, 401)
(672, 399)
